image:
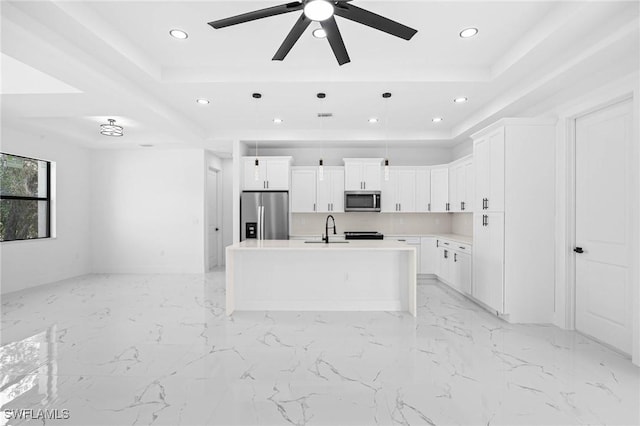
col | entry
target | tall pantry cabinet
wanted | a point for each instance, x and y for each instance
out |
(513, 224)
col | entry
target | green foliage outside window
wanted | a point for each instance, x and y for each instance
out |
(24, 198)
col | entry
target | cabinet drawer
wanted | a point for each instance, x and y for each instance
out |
(454, 246)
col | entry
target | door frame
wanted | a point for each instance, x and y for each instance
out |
(566, 265)
(219, 260)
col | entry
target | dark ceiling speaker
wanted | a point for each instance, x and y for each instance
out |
(323, 11)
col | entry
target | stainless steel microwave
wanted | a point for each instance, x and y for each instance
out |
(361, 201)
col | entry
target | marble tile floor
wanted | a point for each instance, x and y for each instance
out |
(159, 350)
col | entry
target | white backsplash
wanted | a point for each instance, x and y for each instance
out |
(387, 223)
(462, 224)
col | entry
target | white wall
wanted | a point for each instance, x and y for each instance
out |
(148, 211)
(227, 205)
(30, 263)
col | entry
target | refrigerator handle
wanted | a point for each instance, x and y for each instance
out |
(262, 222)
(259, 223)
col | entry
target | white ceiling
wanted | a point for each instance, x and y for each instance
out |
(122, 63)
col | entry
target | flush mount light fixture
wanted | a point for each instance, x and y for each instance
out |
(321, 95)
(202, 101)
(111, 129)
(179, 34)
(460, 100)
(386, 95)
(468, 32)
(373, 120)
(256, 95)
(436, 119)
(277, 121)
(319, 33)
(318, 10)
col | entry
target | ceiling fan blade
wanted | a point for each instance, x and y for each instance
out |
(298, 28)
(257, 14)
(354, 13)
(335, 40)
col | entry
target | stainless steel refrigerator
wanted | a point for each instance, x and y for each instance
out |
(264, 215)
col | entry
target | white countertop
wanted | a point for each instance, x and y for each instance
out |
(301, 245)
(464, 239)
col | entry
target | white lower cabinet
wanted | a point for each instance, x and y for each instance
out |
(454, 265)
(428, 255)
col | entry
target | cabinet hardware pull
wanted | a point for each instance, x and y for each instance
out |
(429, 207)
(447, 206)
(461, 205)
(462, 248)
(455, 257)
(314, 207)
(446, 254)
(485, 203)
(578, 250)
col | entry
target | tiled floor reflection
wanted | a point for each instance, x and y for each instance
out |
(147, 349)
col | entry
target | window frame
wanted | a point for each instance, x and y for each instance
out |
(29, 198)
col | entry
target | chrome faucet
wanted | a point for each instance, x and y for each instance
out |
(326, 228)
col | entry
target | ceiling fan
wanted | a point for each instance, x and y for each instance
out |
(322, 11)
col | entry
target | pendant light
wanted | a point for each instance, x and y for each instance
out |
(256, 167)
(386, 95)
(321, 170)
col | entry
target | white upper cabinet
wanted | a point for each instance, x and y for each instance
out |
(399, 192)
(303, 189)
(461, 185)
(440, 189)
(363, 174)
(272, 175)
(330, 197)
(488, 152)
(423, 189)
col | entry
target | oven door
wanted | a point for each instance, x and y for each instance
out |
(362, 201)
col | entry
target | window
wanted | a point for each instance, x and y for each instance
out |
(25, 198)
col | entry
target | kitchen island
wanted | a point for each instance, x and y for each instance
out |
(294, 275)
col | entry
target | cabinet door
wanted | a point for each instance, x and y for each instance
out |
(389, 193)
(423, 190)
(428, 255)
(496, 172)
(303, 190)
(481, 172)
(488, 259)
(371, 176)
(444, 272)
(461, 272)
(277, 174)
(454, 187)
(337, 189)
(249, 181)
(406, 190)
(468, 187)
(353, 176)
(439, 189)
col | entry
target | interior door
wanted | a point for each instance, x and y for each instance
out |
(603, 287)
(212, 216)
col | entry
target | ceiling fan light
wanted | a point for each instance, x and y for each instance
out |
(318, 10)
(111, 129)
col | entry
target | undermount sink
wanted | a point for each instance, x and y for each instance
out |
(322, 242)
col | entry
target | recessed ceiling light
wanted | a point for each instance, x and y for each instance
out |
(319, 33)
(468, 32)
(460, 100)
(202, 101)
(373, 120)
(146, 145)
(436, 119)
(179, 34)
(277, 121)
(318, 10)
